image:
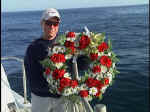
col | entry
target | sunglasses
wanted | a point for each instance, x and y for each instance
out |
(50, 23)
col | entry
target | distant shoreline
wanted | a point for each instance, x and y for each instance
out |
(79, 8)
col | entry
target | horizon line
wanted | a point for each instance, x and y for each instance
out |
(75, 8)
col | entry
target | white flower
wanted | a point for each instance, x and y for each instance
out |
(93, 91)
(74, 90)
(109, 54)
(59, 65)
(89, 98)
(72, 39)
(113, 65)
(68, 56)
(110, 79)
(77, 89)
(103, 89)
(83, 87)
(100, 53)
(49, 51)
(99, 76)
(109, 75)
(103, 69)
(111, 70)
(77, 34)
(57, 49)
(53, 84)
(49, 80)
(68, 39)
(62, 49)
(67, 92)
(67, 75)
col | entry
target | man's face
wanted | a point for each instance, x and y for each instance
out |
(50, 28)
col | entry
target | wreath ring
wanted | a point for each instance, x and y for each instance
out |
(93, 83)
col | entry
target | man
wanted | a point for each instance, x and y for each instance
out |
(42, 100)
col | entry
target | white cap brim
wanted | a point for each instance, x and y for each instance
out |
(49, 13)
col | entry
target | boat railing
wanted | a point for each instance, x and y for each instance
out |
(24, 74)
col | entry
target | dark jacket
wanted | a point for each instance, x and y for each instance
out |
(37, 51)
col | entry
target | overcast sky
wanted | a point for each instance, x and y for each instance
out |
(25, 5)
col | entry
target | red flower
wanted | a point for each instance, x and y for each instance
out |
(57, 74)
(64, 82)
(102, 47)
(89, 82)
(99, 84)
(71, 34)
(73, 49)
(84, 93)
(47, 71)
(60, 89)
(74, 83)
(93, 56)
(106, 81)
(105, 60)
(58, 58)
(96, 69)
(69, 44)
(98, 93)
(84, 42)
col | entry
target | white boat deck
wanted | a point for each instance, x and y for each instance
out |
(11, 101)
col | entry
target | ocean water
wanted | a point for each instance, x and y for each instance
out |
(127, 27)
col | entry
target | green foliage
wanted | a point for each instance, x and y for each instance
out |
(109, 44)
(68, 51)
(97, 38)
(52, 90)
(116, 71)
(61, 39)
(100, 97)
(80, 34)
(74, 98)
(114, 58)
(64, 67)
(47, 63)
(85, 77)
(94, 42)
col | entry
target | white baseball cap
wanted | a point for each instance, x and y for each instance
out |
(49, 13)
